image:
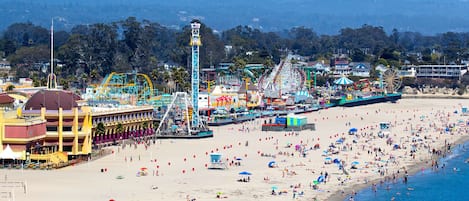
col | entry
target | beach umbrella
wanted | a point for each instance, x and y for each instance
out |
(336, 160)
(355, 163)
(274, 188)
(272, 164)
(315, 182)
(320, 178)
(245, 173)
(353, 130)
(343, 81)
(239, 159)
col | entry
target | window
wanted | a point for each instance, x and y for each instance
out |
(51, 128)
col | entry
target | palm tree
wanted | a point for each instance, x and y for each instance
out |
(83, 79)
(119, 128)
(144, 127)
(10, 87)
(238, 67)
(100, 129)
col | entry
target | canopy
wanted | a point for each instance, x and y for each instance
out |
(272, 164)
(320, 178)
(340, 141)
(244, 173)
(343, 81)
(336, 160)
(8, 153)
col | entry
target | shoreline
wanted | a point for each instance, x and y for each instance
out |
(434, 96)
(412, 169)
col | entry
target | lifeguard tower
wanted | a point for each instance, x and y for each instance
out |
(464, 111)
(384, 129)
(216, 162)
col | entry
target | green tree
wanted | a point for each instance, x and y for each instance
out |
(100, 129)
(10, 87)
(119, 128)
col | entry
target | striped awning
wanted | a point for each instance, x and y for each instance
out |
(343, 81)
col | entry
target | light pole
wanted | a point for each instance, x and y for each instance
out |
(247, 79)
(208, 96)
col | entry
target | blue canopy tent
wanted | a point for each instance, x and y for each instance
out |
(245, 173)
(336, 160)
(272, 164)
(320, 178)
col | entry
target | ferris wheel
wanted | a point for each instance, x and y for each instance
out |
(391, 80)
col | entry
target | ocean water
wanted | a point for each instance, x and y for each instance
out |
(450, 183)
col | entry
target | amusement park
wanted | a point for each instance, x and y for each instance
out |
(251, 92)
(127, 106)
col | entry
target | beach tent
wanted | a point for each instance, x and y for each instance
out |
(336, 160)
(272, 164)
(245, 173)
(343, 81)
(8, 153)
(320, 178)
(352, 131)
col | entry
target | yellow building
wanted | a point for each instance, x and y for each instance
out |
(53, 127)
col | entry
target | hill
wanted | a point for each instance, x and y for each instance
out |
(325, 17)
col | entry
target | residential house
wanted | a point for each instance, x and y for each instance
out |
(449, 71)
(341, 67)
(360, 69)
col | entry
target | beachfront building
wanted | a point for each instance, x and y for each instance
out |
(448, 71)
(6, 101)
(67, 125)
(113, 123)
(55, 125)
(20, 132)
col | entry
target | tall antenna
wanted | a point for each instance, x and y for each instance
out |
(51, 79)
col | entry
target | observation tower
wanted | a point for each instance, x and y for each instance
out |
(195, 43)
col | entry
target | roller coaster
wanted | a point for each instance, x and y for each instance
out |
(130, 88)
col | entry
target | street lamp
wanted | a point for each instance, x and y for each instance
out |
(247, 79)
(209, 82)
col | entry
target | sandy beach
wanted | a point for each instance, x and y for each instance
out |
(177, 169)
